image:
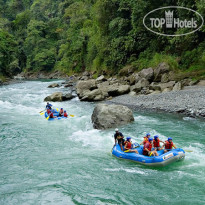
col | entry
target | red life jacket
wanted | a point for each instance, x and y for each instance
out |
(149, 148)
(129, 145)
(51, 115)
(156, 143)
(48, 111)
(65, 115)
(145, 140)
(168, 145)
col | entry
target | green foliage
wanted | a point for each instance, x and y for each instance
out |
(8, 51)
(147, 59)
(97, 35)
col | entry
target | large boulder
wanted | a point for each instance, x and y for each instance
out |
(131, 79)
(109, 116)
(148, 74)
(94, 95)
(101, 78)
(154, 86)
(54, 85)
(160, 70)
(142, 83)
(177, 86)
(116, 89)
(84, 86)
(55, 97)
(67, 96)
(123, 89)
(165, 78)
(167, 85)
(201, 83)
(59, 97)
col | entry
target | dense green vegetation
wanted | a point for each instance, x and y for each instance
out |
(74, 35)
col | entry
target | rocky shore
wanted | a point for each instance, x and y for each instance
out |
(159, 88)
(189, 101)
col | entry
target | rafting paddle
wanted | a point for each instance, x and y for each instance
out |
(42, 111)
(72, 115)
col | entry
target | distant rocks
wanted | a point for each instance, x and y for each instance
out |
(59, 97)
(147, 81)
(20, 76)
(97, 90)
(109, 116)
(54, 85)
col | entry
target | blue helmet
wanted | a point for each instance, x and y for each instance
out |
(148, 134)
(156, 136)
(150, 139)
(61, 108)
(64, 110)
(169, 138)
(128, 138)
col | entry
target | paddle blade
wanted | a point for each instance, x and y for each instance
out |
(42, 113)
(188, 150)
(72, 115)
(47, 118)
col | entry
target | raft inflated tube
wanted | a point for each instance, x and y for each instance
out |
(56, 115)
(162, 160)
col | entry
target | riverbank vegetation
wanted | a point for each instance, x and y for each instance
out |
(96, 35)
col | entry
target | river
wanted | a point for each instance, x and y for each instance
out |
(69, 162)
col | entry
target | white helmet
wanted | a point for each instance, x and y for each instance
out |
(116, 130)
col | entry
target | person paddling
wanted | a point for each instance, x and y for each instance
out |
(48, 111)
(146, 139)
(119, 137)
(128, 146)
(168, 145)
(51, 115)
(156, 143)
(61, 112)
(49, 106)
(65, 114)
(147, 150)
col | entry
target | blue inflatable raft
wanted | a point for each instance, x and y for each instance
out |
(162, 160)
(56, 114)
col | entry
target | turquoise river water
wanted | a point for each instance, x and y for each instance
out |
(69, 162)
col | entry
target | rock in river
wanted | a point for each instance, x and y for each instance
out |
(58, 97)
(54, 85)
(109, 116)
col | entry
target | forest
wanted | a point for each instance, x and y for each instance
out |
(95, 35)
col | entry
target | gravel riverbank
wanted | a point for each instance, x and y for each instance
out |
(189, 101)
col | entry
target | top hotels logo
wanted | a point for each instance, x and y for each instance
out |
(167, 22)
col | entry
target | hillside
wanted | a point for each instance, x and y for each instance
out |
(95, 35)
